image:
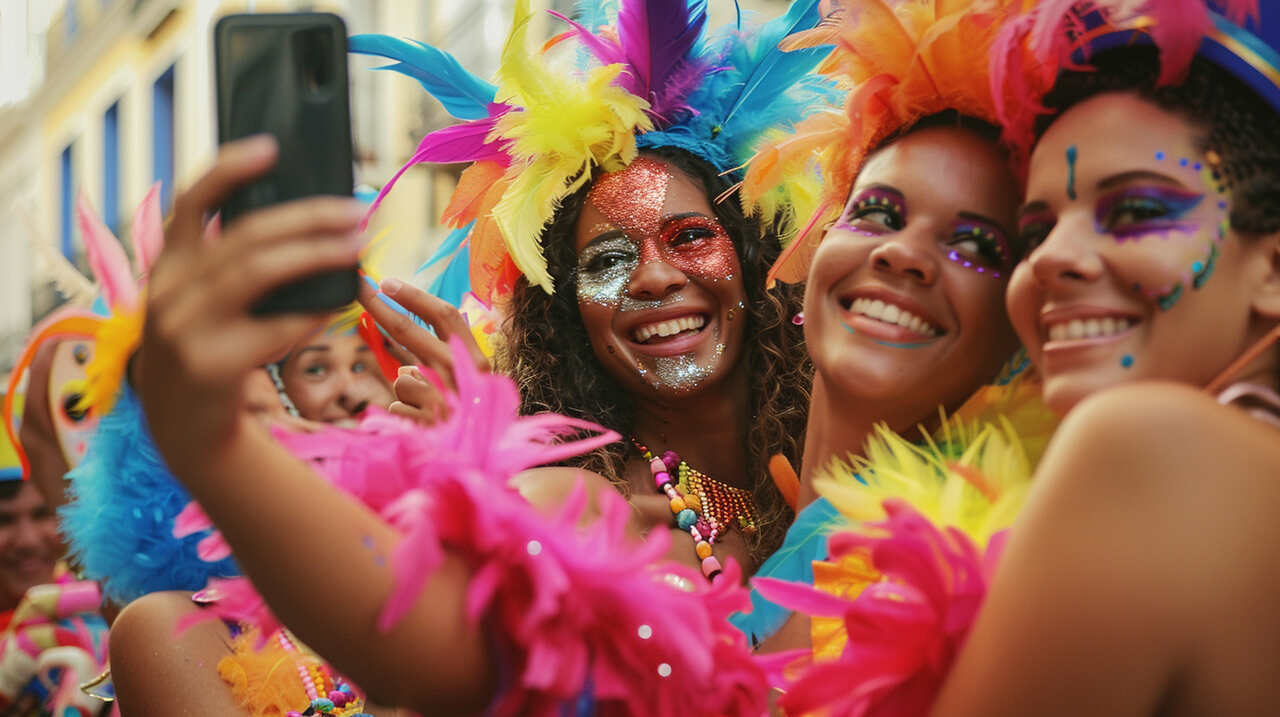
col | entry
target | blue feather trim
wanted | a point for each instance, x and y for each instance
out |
(463, 95)
(119, 523)
(455, 281)
(754, 88)
(806, 542)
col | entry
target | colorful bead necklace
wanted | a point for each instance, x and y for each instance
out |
(704, 507)
(328, 693)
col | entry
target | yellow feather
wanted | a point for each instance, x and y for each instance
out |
(972, 473)
(114, 343)
(565, 130)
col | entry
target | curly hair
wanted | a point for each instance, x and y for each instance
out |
(1237, 125)
(548, 353)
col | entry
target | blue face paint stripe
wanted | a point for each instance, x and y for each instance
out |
(1204, 271)
(890, 344)
(1072, 153)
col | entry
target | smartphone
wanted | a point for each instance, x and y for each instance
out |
(285, 74)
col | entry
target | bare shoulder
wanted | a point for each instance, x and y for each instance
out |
(548, 488)
(1175, 429)
(158, 669)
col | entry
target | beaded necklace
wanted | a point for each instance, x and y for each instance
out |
(704, 507)
(328, 693)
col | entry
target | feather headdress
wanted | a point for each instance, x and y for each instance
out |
(901, 61)
(1059, 35)
(117, 287)
(649, 76)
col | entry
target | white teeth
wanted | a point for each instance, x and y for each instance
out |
(893, 314)
(1077, 329)
(668, 328)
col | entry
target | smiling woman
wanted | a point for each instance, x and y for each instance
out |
(333, 378)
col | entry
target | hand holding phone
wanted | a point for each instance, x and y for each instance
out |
(286, 75)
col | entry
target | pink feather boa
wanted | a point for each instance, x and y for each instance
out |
(575, 610)
(904, 632)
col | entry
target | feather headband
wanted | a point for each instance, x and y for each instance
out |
(651, 78)
(901, 62)
(1060, 35)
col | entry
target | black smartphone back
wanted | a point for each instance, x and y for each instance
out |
(286, 75)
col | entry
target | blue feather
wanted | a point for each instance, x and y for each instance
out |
(770, 70)
(463, 95)
(455, 281)
(756, 87)
(806, 542)
(119, 523)
(447, 247)
(592, 14)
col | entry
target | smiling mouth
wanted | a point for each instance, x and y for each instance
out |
(659, 332)
(891, 314)
(1095, 328)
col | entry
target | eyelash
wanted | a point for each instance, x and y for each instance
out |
(870, 204)
(605, 261)
(990, 245)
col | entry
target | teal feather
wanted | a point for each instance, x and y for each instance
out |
(463, 95)
(806, 542)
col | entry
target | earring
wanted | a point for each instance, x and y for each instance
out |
(798, 319)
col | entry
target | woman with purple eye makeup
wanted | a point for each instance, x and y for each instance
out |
(904, 295)
(1141, 578)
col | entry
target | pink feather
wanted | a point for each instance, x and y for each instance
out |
(903, 632)
(1179, 29)
(148, 230)
(466, 142)
(564, 601)
(107, 259)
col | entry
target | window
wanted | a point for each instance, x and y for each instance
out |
(111, 168)
(162, 135)
(66, 206)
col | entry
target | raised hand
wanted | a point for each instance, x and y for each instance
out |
(418, 396)
(200, 341)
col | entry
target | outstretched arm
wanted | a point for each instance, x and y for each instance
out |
(309, 549)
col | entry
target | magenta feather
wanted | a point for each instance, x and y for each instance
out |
(107, 259)
(466, 142)
(562, 601)
(903, 632)
(148, 230)
(655, 42)
(1179, 29)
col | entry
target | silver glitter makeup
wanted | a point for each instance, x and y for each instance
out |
(606, 286)
(681, 373)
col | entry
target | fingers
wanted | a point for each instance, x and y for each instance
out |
(426, 349)
(447, 320)
(237, 163)
(304, 217)
(239, 280)
(418, 399)
(411, 389)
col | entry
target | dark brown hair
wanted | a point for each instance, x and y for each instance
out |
(549, 354)
(1238, 126)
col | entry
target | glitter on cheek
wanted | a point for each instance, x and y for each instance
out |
(606, 286)
(1127, 361)
(633, 197)
(955, 256)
